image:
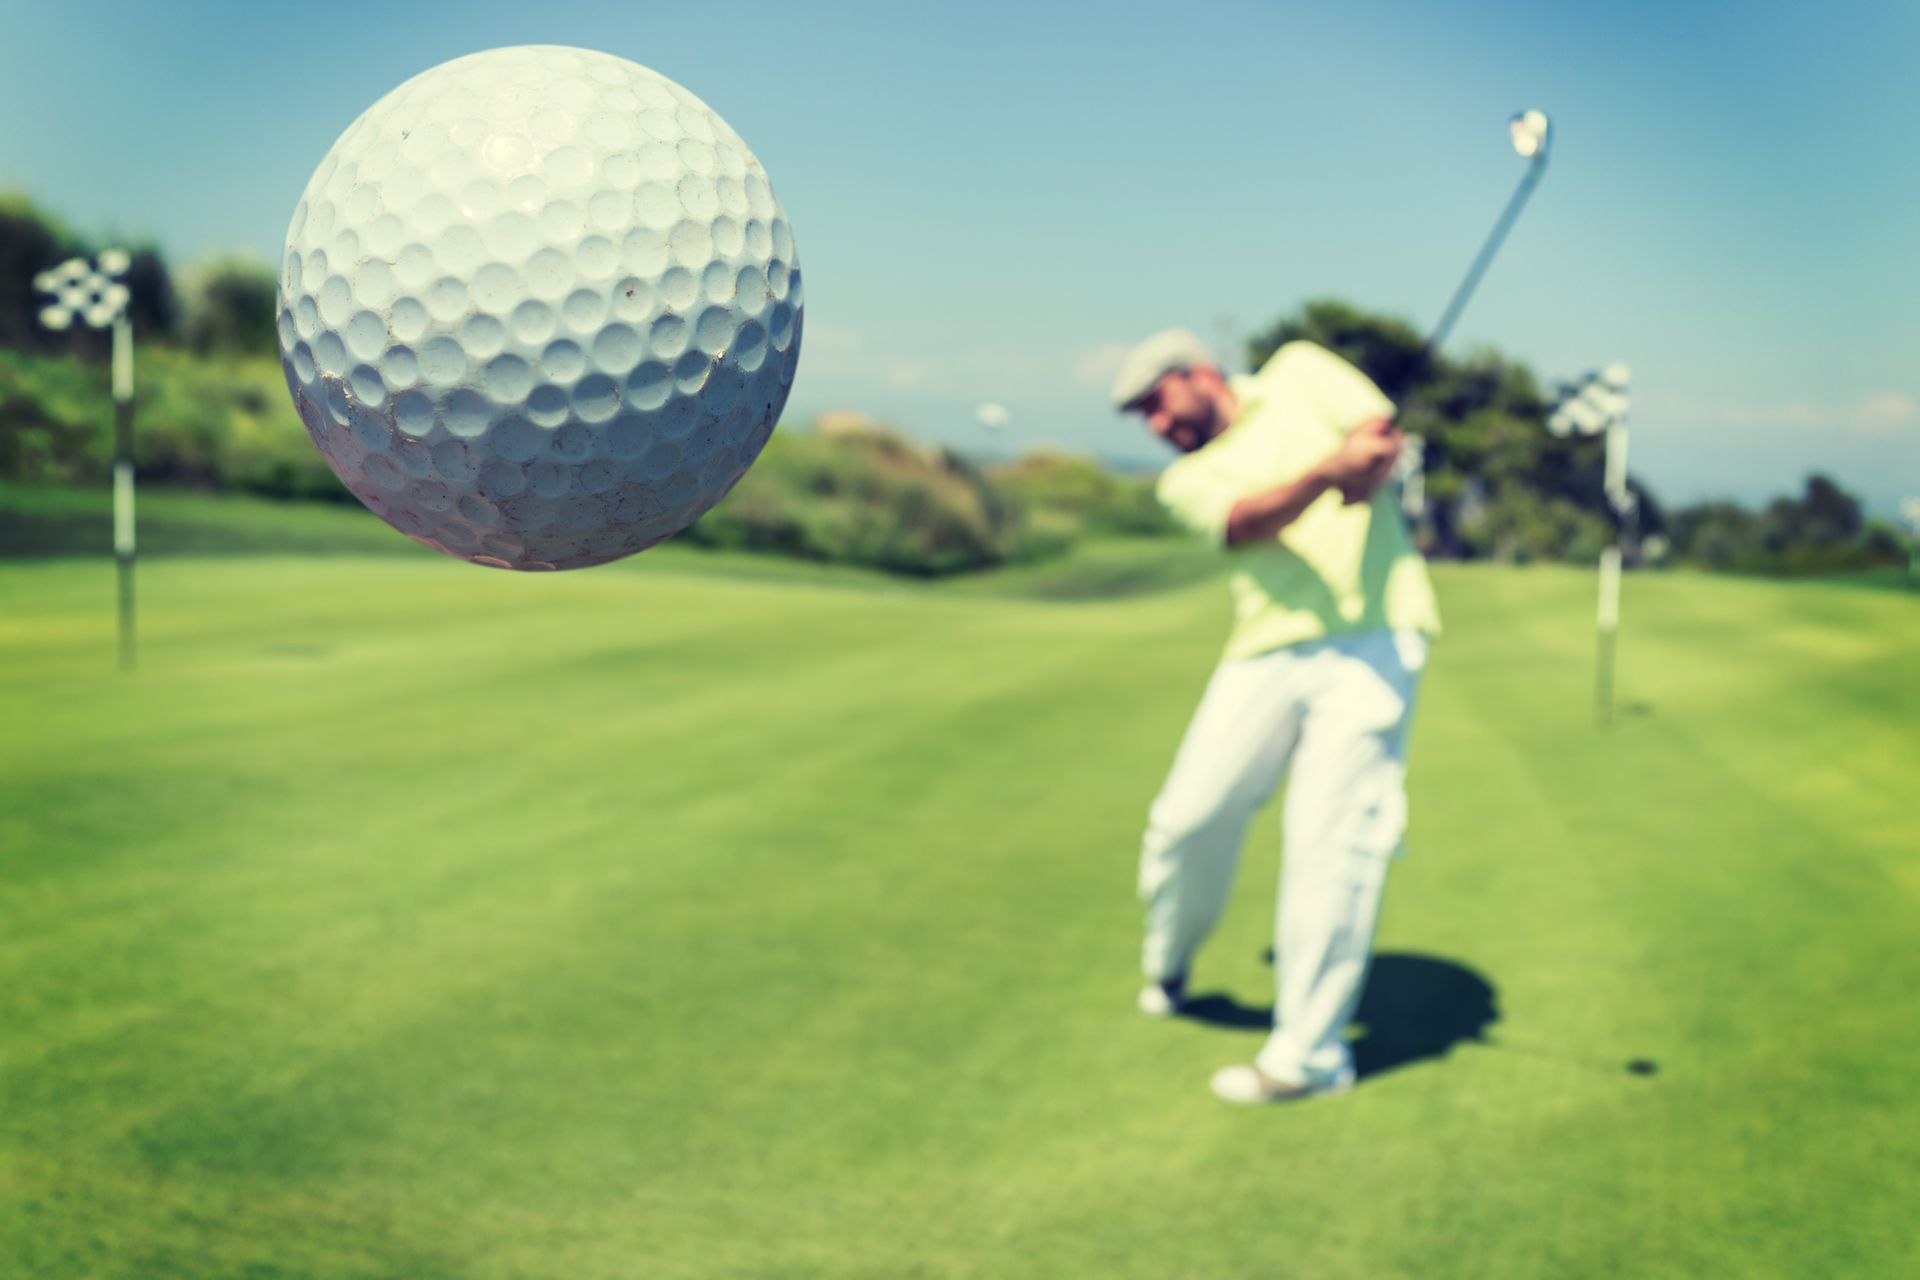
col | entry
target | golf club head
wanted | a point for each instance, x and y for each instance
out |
(1531, 132)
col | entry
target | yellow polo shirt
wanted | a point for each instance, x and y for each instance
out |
(1336, 568)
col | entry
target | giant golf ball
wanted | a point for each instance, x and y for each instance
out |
(539, 308)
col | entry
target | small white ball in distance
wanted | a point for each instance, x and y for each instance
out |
(539, 308)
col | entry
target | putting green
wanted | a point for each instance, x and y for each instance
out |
(401, 918)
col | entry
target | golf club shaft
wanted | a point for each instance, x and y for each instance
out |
(1458, 303)
(1413, 490)
(1482, 260)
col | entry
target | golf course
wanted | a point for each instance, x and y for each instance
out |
(710, 915)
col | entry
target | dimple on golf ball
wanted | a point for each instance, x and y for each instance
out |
(539, 308)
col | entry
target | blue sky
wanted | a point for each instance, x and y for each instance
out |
(991, 199)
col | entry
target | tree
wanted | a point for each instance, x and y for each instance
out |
(154, 308)
(229, 305)
(1385, 348)
(1821, 531)
(30, 242)
(1498, 484)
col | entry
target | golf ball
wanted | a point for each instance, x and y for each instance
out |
(539, 308)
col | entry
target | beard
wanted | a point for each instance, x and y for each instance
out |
(1191, 434)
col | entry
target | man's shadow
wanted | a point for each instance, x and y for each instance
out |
(1415, 1007)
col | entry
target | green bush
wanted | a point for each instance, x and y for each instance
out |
(210, 423)
(229, 305)
(867, 496)
(1077, 494)
(213, 412)
(31, 240)
(1823, 531)
(1517, 525)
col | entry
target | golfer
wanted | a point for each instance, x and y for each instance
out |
(1286, 471)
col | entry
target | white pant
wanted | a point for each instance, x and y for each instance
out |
(1337, 712)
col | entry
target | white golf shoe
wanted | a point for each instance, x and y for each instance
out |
(1247, 1085)
(1163, 999)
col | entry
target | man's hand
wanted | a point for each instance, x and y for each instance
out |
(1364, 459)
(1360, 465)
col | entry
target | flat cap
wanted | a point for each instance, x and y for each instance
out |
(1146, 364)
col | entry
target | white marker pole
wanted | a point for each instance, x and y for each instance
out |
(123, 537)
(92, 294)
(1608, 620)
(1910, 508)
(1609, 628)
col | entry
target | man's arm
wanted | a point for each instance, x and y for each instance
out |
(1358, 467)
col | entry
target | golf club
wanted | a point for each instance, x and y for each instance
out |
(1531, 135)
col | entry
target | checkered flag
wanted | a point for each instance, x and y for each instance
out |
(90, 292)
(1596, 405)
(1588, 405)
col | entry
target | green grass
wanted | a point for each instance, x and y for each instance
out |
(40, 521)
(399, 918)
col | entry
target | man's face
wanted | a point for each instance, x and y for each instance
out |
(1180, 411)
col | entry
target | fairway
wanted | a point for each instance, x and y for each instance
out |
(700, 917)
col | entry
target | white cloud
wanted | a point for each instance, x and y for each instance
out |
(1887, 410)
(1881, 413)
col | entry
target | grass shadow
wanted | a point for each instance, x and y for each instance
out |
(1415, 1007)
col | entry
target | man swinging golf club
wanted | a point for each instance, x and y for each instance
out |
(1286, 471)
